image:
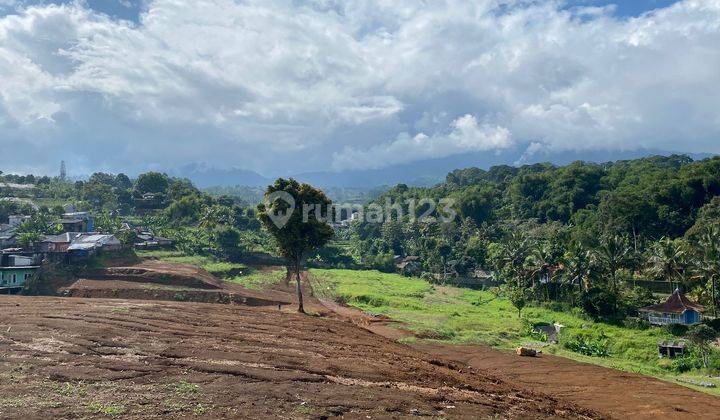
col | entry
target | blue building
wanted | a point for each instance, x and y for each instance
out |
(678, 309)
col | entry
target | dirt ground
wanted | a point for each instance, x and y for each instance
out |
(609, 391)
(134, 356)
(155, 280)
(73, 358)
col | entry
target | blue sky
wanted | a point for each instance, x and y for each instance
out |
(627, 8)
(130, 9)
(350, 84)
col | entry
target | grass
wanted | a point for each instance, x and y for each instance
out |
(217, 268)
(184, 387)
(459, 315)
(68, 389)
(108, 409)
(258, 280)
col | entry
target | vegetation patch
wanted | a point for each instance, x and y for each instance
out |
(108, 409)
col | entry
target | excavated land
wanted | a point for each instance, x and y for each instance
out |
(155, 280)
(75, 358)
(258, 358)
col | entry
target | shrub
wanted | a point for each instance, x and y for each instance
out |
(636, 324)
(588, 345)
(381, 262)
(685, 364)
(712, 323)
(599, 303)
(678, 330)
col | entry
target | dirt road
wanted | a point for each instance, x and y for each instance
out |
(72, 357)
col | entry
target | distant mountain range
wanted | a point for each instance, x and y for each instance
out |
(420, 173)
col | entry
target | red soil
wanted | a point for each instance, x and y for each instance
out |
(66, 357)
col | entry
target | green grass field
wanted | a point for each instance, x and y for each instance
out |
(468, 316)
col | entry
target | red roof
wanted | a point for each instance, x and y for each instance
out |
(677, 303)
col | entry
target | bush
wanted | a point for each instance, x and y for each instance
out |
(588, 345)
(712, 323)
(636, 324)
(381, 262)
(599, 303)
(685, 364)
(678, 330)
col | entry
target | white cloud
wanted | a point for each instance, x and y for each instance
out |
(258, 83)
(466, 136)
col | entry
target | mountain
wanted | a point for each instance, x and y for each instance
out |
(420, 173)
(204, 176)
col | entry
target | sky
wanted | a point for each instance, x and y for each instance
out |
(283, 86)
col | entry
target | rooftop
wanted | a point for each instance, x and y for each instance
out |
(677, 303)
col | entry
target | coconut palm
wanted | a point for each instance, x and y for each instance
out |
(668, 261)
(578, 267)
(612, 255)
(707, 262)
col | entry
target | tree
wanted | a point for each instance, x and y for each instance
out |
(611, 256)
(667, 260)
(578, 267)
(151, 182)
(701, 336)
(518, 298)
(707, 262)
(295, 215)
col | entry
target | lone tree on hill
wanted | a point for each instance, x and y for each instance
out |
(295, 215)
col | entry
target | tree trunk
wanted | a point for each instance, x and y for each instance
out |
(714, 297)
(301, 308)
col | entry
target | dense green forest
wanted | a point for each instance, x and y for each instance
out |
(581, 234)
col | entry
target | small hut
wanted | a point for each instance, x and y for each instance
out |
(671, 349)
(678, 309)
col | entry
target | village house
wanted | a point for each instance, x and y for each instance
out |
(87, 244)
(57, 243)
(408, 266)
(16, 270)
(678, 309)
(8, 237)
(80, 221)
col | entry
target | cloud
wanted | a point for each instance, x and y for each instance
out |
(258, 83)
(466, 136)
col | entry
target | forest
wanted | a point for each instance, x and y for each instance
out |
(583, 234)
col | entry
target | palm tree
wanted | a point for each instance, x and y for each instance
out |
(707, 263)
(611, 256)
(514, 251)
(578, 267)
(667, 261)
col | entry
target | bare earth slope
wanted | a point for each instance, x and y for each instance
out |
(613, 392)
(91, 357)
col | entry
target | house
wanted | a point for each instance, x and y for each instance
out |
(80, 221)
(8, 238)
(678, 309)
(15, 271)
(16, 220)
(14, 278)
(89, 243)
(408, 266)
(57, 243)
